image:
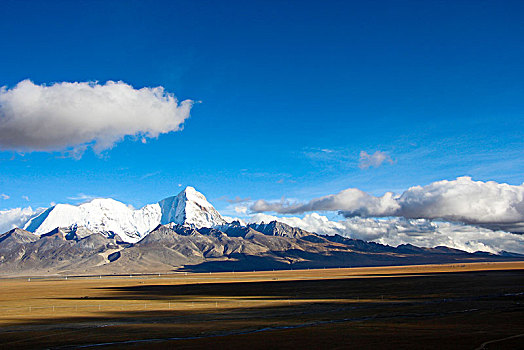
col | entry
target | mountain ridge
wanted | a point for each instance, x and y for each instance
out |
(108, 216)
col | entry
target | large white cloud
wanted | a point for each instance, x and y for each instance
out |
(396, 231)
(489, 204)
(352, 199)
(73, 116)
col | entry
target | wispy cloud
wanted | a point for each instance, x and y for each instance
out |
(345, 158)
(71, 117)
(148, 175)
(83, 197)
(373, 160)
(4, 196)
(328, 155)
(263, 174)
(26, 198)
(235, 200)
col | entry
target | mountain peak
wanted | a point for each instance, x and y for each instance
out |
(191, 208)
(190, 190)
(191, 194)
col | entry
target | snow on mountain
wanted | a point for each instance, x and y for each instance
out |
(108, 216)
(191, 208)
(99, 215)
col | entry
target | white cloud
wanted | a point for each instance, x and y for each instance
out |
(396, 231)
(241, 209)
(26, 198)
(373, 160)
(16, 217)
(4, 196)
(83, 197)
(488, 204)
(491, 204)
(73, 116)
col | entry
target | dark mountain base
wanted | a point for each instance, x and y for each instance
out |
(233, 247)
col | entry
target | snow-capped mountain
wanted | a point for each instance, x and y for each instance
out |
(108, 216)
(189, 208)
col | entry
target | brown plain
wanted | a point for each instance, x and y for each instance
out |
(452, 306)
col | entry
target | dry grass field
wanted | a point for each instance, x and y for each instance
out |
(460, 306)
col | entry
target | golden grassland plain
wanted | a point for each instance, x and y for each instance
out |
(455, 306)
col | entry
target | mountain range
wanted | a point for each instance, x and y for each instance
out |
(186, 233)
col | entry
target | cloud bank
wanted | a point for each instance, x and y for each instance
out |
(74, 116)
(396, 231)
(489, 204)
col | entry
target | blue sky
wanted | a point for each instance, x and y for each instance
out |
(291, 93)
